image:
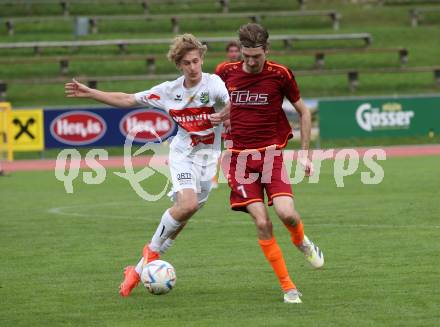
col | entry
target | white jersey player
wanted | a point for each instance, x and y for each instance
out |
(195, 149)
(190, 100)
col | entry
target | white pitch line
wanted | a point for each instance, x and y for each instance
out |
(62, 212)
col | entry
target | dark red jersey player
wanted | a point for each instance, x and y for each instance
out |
(257, 117)
(260, 129)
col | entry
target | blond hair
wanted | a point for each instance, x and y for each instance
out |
(182, 44)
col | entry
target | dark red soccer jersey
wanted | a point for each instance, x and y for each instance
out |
(219, 67)
(257, 117)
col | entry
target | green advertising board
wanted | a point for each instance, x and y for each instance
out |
(377, 117)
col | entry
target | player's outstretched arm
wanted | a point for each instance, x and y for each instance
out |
(75, 89)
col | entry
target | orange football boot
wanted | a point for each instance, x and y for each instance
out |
(131, 279)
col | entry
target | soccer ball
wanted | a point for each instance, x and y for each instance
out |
(159, 277)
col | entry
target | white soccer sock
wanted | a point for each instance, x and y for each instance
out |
(167, 226)
(163, 248)
(166, 245)
(139, 266)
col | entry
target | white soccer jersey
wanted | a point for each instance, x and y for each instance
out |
(190, 109)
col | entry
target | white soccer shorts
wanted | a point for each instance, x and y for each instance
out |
(185, 173)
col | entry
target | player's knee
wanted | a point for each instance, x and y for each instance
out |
(264, 225)
(189, 207)
(289, 216)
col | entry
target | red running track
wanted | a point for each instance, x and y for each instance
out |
(142, 161)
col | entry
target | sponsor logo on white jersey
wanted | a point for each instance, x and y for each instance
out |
(192, 118)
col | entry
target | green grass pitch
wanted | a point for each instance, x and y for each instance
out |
(62, 255)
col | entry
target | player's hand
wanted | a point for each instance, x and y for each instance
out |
(216, 119)
(307, 164)
(76, 89)
(227, 126)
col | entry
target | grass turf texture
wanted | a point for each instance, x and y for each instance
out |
(380, 242)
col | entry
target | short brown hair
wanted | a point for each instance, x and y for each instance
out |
(232, 44)
(253, 36)
(182, 44)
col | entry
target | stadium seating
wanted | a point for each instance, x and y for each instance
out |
(122, 44)
(396, 2)
(352, 76)
(173, 19)
(150, 60)
(300, 39)
(417, 13)
(67, 8)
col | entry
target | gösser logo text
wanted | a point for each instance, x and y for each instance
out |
(390, 117)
